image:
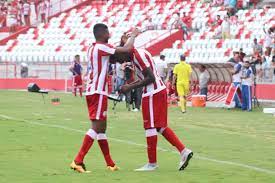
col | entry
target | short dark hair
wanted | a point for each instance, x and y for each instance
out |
(162, 56)
(203, 66)
(77, 55)
(182, 57)
(98, 29)
(247, 62)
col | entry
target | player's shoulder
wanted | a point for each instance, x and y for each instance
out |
(103, 45)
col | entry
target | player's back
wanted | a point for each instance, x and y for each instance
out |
(143, 59)
(183, 71)
(99, 56)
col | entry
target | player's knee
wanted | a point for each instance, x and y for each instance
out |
(160, 130)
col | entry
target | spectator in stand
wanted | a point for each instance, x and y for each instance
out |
(3, 14)
(234, 20)
(20, 12)
(151, 25)
(162, 67)
(266, 67)
(187, 20)
(269, 36)
(203, 80)
(218, 21)
(26, 12)
(12, 18)
(217, 2)
(257, 47)
(42, 11)
(226, 28)
(178, 23)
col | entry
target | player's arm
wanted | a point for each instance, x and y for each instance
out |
(237, 70)
(148, 79)
(129, 45)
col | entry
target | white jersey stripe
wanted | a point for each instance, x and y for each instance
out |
(99, 56)
(151, 108)
(143, 59)
(99, 107)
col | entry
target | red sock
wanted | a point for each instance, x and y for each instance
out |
(86, 145)
(80, 92)
(152, 140)
(152, 148)
(171, 137)
(104, 146)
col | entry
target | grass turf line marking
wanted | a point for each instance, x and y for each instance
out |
(142, 145)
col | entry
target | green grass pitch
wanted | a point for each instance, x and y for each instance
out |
(38, 141)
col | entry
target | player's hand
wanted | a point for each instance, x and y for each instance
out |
(135, 32)
(125, 88)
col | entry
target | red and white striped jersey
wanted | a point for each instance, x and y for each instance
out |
(143, 59)
(98, 58)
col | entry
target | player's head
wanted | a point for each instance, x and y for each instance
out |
(162, 57)
(77, 58)
(246, 64)
(182, 58)
(236, 54)
(202, 68)
(101, 32)
(123, 39)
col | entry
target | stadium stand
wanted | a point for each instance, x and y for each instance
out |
(70, 32)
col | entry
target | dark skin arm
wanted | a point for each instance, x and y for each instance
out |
(129, 45)
(148, 79)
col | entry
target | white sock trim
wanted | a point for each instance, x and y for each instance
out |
(92, 134)
(162, 130)
(101, 136)
(151, 132)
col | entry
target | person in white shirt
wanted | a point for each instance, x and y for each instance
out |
(42, 9)
(162, 67)
(203, 80)
(266, 67)
(247, 81)
(269, 36)
(236, 77)
(26, 12)
(226, 28)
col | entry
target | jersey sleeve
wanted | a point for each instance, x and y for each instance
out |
(106, 49)
(238, 68)
(248, 73)
(142, 59)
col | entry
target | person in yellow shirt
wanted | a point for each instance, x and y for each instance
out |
(182, 73)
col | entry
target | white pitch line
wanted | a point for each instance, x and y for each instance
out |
(258, 169)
